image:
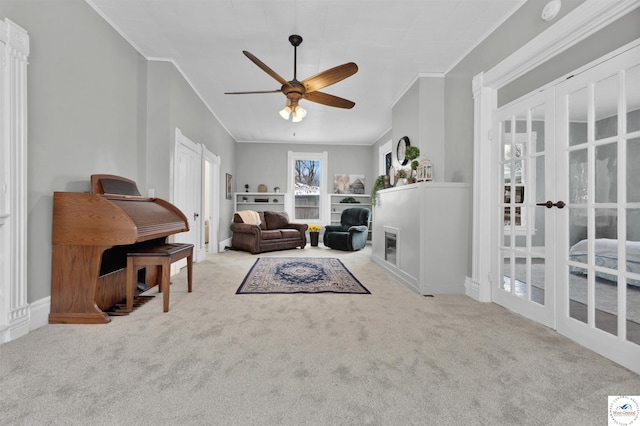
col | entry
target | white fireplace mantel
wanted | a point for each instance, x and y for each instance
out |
(431, 222)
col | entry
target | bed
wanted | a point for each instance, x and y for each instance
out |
(606, 256)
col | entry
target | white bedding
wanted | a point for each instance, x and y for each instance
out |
(606, 255)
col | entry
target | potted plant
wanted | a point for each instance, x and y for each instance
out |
(314, 234)
(411, 153)
(377, 185)
(401, 177)
(276, 189)
(246, 187)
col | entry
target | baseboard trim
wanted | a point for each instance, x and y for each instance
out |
(472, 289)
(224, 243)
(40, 313)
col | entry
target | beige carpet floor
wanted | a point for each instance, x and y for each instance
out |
(389, 358)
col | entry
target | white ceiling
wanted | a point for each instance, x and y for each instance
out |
(391, 41)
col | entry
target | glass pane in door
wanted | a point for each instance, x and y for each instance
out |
(578, 102)
(578, 294)
(507, 273)
(606, 173)
(578, 173)
(633, 98)
(538, 272)
(605, 99)
(605, 249)
(633, 280)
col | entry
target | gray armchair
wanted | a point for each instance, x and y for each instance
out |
(352, 232)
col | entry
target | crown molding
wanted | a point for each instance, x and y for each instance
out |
(585, 20)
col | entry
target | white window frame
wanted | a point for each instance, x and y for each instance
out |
(323, 207)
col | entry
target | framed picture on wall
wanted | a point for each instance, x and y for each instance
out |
(228, 191)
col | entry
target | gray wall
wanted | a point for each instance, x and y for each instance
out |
(173, 103)
(405, 119)
(267, 163)
(419, 115)
(97, 106)
(431, 119)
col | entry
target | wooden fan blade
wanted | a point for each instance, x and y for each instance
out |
(330, 100)
(249, 93)
(329, 77)
(265, 68)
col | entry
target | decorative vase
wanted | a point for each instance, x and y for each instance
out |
(314, 238)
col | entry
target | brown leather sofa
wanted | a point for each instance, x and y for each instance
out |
(274, 232)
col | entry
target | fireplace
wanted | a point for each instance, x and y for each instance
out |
(391, 236)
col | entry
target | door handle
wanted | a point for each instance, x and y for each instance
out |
(195, 216)
(549, 204)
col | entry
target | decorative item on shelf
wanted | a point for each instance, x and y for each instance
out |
(377, 185)
(246, 187)
(411, 153)
(275, 200)
(314, 234)
(424, 171)
(401, 177)
(245, 199)
(262, 188)
(261, 200)
(392, 175)
(276, 189)
(349, 200)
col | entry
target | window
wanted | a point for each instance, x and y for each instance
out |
(307, 177)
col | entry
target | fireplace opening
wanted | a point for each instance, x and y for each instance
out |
(390, 247)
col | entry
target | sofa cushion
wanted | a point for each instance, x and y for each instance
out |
(290, 233)
(276, 220)
(271, 234)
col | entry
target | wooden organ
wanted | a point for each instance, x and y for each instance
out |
(91, 236)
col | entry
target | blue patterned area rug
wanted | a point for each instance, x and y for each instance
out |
(288, 275)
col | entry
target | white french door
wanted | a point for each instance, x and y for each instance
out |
(598, 272)
(526, 168)
(568, 217)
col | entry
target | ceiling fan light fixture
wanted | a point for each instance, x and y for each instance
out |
(285, 112)
(298, 114)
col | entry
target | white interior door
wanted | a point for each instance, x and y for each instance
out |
(187, 193)
(211, 199)
(525, 246)
(598, 274)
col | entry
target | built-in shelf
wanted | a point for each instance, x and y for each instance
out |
(273, 201)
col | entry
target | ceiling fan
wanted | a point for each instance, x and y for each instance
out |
(308, 88)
